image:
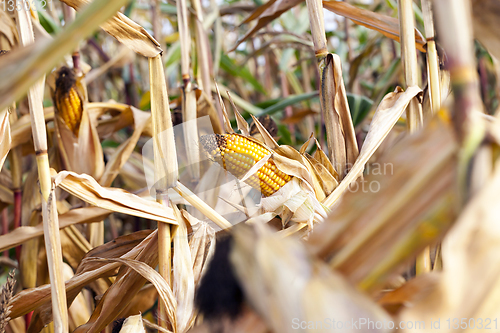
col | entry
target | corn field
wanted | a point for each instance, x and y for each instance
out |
(248, 166)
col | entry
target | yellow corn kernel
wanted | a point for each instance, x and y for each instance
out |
(237, 154)
(68, 103)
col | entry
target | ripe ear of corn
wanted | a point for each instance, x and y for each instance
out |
(237, 154)
(67, 101)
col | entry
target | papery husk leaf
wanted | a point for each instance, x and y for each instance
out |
(87, 189)
(202, 246)
(133, 324)
(240, 121)
(388, 112)
(327, 180)
(6, 195)
(125, 31)
(341, 139)
(321, 157)
(267, 265)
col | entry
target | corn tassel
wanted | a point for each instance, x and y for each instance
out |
(67, 101)
(237, 154)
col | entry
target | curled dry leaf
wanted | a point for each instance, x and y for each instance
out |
(202, 246)
(265, 14)
(147, 273)
(87, 189)
(125, 31)
(38, 299)
(127, 284)
(341, 139)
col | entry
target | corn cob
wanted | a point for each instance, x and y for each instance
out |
(67, 101)
(237, 154)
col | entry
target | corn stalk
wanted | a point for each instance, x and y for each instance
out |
(165, 161)
(409, 56)
(432, 58)
(340, 137)
(49, 209)
(455, 29)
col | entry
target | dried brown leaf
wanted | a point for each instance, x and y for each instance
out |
(125, 31)
(386, 25)
(87, 189)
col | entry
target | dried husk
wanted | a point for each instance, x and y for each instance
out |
(87, 189)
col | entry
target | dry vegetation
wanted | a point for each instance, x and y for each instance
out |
(356, 185)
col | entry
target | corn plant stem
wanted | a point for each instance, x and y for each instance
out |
(156, 18)
(164, 259)
(409, 56)
(423, 264)
(5, 227)
(199, 204)
(49, 210)
(165, 162)
(204, 55)
(288, 109)
(432, 58)
(15, 158)
(185, 39)
(315, 10)
(454, 23)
